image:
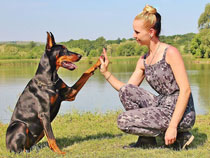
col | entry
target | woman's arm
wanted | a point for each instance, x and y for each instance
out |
(175, 60)
(135, 79)
(114, 82)
(138, 75)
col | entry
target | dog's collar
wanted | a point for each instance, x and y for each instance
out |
(42, 84)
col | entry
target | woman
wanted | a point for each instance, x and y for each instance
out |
(172, 111)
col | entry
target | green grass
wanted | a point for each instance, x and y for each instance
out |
(96, 135)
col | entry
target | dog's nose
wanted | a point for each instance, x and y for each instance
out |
(79, 56)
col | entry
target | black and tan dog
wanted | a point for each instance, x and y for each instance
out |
(41, 99)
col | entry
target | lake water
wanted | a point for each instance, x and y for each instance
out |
(97, 95)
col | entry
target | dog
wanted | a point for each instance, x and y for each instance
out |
(40, 101)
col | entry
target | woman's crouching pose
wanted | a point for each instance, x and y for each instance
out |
(170, 113)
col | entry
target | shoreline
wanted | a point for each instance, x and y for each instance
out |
(188, 56)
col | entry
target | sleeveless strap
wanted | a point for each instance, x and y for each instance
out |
(145, 55)
(164, 54)
(163, 58)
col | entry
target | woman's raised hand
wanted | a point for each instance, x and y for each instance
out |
(115, 83)
(104, 62)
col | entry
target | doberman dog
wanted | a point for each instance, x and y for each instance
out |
(40, 101)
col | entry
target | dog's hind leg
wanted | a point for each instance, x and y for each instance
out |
(17, 137)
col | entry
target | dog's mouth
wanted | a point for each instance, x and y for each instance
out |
(68, 65)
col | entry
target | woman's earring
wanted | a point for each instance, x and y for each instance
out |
(151, 36)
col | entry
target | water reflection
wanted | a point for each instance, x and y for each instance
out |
(97, 95)
(199, 78)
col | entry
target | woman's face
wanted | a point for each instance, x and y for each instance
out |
(141, 34)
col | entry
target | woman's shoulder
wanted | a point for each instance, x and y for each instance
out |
(169, 49)
(172, 53)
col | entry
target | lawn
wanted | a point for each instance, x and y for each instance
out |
(87, 135)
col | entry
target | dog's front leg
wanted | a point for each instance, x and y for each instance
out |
(45, 120)
(80, 83)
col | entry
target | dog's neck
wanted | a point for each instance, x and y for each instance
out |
(46, 69)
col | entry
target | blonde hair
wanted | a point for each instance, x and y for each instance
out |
(151, 17)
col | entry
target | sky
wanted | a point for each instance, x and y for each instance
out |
(28, 20)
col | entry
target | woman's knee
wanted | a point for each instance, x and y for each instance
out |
(122, 121)
(127, 91)
(130, 96)
(126, 123)
(126, 120)
(123, 90)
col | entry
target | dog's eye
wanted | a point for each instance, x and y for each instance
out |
(65, 50)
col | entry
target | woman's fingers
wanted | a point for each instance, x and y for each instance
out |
(166, 141)
(101, 59)
(170, 135)
(169, 141)
(105, 55)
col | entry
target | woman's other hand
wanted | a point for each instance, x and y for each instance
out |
(170, 135)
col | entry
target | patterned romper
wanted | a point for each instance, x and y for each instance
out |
(150, 115)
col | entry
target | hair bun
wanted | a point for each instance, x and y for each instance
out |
(149, 9)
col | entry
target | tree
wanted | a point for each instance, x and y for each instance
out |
(204, 20)
(201, 42)
(84, 44)
(126, 49)
(205, 42)
(140, 50)
(112, 49)
(32, 44)
(78, 50)
(93, 53)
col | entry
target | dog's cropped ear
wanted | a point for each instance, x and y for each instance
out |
(53, 39)
(50, 42)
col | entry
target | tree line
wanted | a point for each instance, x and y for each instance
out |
(91, 48)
